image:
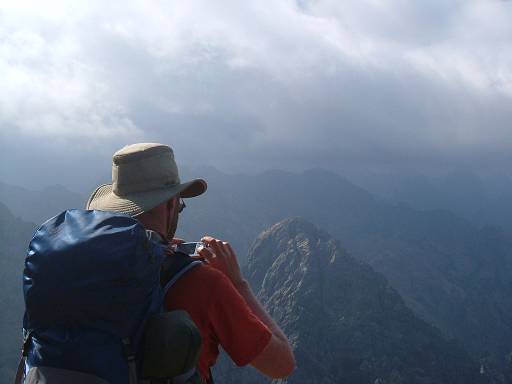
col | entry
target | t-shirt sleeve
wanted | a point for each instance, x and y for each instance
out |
(240, 333)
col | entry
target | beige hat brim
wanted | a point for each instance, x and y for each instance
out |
(104, 199)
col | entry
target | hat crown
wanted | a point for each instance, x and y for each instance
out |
(143, 167)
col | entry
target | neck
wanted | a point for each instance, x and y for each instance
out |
(154, 223)
(161, 219)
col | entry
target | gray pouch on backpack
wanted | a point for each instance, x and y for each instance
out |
(49, 375)
(172, 347)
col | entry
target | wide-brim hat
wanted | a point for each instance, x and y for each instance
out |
(144, 175)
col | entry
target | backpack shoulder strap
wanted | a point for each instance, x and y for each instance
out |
(175, 265)
(20, 372)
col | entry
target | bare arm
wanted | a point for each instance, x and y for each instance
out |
(277, 359)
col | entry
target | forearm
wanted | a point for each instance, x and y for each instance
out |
(277, 359)
(245, 291)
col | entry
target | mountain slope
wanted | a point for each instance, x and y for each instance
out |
(451, 273)
(14, 237)
(346, 323)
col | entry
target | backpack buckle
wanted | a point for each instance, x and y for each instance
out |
(26, 341)
(127, 350)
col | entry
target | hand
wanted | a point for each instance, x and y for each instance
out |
(221, 256)
(176, 241)
(169, 251)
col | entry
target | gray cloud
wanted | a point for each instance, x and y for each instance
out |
(251, 85)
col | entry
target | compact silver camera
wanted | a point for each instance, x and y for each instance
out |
(190, 248)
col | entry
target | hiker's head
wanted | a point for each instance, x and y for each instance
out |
(145, 178)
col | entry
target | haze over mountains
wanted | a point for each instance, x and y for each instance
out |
(449, 271)
(482, 199)
(39, 205)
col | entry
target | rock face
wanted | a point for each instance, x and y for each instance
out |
(345, 321)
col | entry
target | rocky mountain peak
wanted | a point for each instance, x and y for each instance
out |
(301, 249)
(346, 323)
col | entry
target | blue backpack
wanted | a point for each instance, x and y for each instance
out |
(92, 280)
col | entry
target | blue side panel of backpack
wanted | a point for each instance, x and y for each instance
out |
(91, 278)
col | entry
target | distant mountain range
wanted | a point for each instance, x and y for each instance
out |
(452, 273)
(39, 205)
(482, 199)
(345, 321)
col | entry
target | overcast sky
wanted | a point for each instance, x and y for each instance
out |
(252, 85)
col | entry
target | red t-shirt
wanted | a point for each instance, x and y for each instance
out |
(221, 314)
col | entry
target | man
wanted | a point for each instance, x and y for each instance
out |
(146, 185)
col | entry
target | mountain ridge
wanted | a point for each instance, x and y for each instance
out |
(452, 273)
(344, 320)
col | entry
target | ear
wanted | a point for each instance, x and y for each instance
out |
(172, 203)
